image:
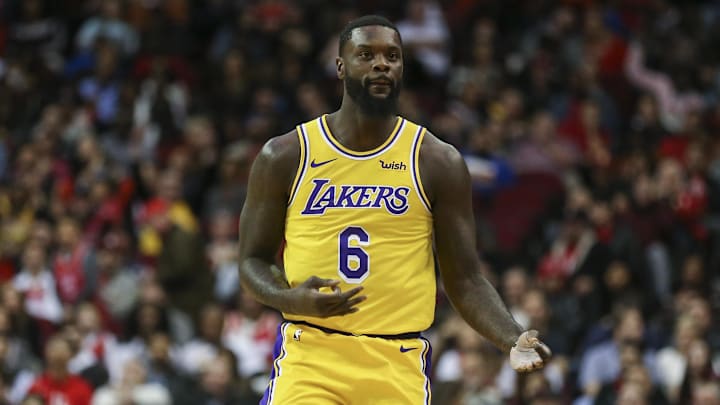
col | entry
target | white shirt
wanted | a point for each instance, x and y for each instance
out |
(41, 300)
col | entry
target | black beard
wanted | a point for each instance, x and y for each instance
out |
(369, 105)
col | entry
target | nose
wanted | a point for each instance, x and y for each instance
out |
(380, 64)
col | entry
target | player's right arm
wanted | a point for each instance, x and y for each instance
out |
(262, 228)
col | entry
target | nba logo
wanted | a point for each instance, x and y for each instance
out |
(296, 335)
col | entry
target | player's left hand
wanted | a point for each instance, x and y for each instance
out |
(529, 353)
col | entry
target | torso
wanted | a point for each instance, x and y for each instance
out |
(363, 218)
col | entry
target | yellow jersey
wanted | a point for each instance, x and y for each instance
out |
(363, 218)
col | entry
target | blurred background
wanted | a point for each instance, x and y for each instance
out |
(127, 128)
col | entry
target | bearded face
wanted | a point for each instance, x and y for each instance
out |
(374, 97)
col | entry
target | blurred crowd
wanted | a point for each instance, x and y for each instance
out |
(127, 128)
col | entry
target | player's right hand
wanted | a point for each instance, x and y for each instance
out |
(529, 353)
(307, 299)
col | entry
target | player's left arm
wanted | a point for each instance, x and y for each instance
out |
(447, 183)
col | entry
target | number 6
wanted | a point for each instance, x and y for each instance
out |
(349, 254)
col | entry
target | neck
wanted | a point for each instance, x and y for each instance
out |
(357, 130)
(57, 373)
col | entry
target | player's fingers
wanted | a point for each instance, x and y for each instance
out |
(337, 298)
(528, 338)
(343, 297)
(356, 300)
(345, 305)
(327, 282)
(523, 369)
(349, 311)
(317, 282)
(538, 363)
(543, 350)
(530, 366)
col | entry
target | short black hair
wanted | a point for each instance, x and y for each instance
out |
(363, 21)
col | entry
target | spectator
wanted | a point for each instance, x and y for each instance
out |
(425, 35)
(490, 172)
(57, 384)
(180, 324)
(108, 25)
(35, 31)
(698, 371)
(706, 393)
(222, 255)
(15, 323)
(515, 284)
(17, 368)
(634, 375)
(90, 343)
(673, 104)
(117, 291)
(479, 369)
(196, 353)
(219, 383)
(249, 332)
(144, 322)
(101, 91)
(181, 266)
(672, 360)
(228, 195)
(542, 151)
(37, 284)
(74, 264)
(163, 370)
(601, 364)
(133, 388)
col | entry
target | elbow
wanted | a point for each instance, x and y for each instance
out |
(243, 273)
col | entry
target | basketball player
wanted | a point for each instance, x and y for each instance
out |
(359, 196)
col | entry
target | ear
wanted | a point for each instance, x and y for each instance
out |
(340, 65)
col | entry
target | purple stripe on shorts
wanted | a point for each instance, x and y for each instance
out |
(427, 357)
(428, 360)
(276, 356)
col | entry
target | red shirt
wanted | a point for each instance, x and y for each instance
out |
(72, 390)
(69, 272)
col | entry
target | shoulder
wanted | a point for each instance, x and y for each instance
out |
(434, 151)
(279, 158)
(442, 167)
(282, 148)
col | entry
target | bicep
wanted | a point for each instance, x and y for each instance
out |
(454, 224)
(262, 221)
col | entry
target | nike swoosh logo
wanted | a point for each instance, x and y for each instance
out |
(313, 164)
(404, 349)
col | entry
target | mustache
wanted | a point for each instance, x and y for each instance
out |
(369, 80)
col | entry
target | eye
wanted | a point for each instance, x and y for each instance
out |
(394, 56)
(365, 54)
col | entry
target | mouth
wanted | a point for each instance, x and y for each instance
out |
(381, 82)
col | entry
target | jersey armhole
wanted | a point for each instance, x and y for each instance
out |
(415, 167)
(302, 164)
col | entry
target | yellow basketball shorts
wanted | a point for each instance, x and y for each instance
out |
(313, 367)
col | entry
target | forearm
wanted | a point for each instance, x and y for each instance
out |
(480, 305)
(266, 282)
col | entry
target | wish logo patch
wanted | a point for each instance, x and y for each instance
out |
(400, 166)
